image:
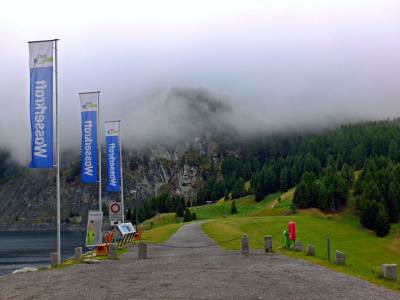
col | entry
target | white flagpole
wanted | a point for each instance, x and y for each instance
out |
(99, 147)
(57, 157)
(122, 176)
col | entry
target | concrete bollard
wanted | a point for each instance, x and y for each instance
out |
(245, 245)
(310, 250)
(112, 251)
(142, 250)
(389, 271)
(268, 243)
(298, 246)
(78, 253)
(54, 259)
(340, 258)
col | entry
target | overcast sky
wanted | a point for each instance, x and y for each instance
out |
(281, 63)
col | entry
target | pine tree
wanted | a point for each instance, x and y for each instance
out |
(238, 189)
(234, 210)
(393, 202)
(394, 151)
(304, 194)
(372, 192)
(180, 210)
(284, 179)
(368, 213)
(382, 221)
(226, 195)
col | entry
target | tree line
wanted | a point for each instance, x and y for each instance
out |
(322, 167)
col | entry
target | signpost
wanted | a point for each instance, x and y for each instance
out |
(115, 212)
(94, 235)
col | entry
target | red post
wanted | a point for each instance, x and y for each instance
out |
(292, 231)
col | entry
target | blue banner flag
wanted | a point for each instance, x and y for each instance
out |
(113, 157)
(89, 111)
(41, 103)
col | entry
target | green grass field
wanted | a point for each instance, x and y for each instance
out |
(365, 252)
(160, 234)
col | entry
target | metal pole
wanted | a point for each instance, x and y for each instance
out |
(122, 176)
(328, 245)
(99, 147)
(57, 158)
(136, 208)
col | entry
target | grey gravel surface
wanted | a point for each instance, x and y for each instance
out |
(191, 273)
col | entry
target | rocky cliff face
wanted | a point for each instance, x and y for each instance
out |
(29, 202)
(177, 167)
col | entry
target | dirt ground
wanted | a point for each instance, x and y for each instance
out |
(191, 273)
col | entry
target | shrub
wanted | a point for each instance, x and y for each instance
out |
(234, 208)
(187, 215)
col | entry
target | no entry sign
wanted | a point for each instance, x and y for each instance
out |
(115, 213)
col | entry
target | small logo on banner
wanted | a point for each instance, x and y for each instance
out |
(112, 131)
(42, 60)
(89, 105)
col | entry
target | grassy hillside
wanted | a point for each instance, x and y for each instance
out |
(246, 206)
(364, 250)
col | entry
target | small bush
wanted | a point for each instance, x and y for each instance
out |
(293, 208)
(234, 208)
(187, 216)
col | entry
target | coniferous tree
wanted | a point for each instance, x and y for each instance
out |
(382, 221)
(304, 194)
(238, 189)
(233, 208)
(393, 202)
(180, 210)
(394, 151)
(368, 213)
(284, 179)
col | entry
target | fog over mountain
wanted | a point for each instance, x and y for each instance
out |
(168, 68)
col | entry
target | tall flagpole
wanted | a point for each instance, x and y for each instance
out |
(122, 176)
(57, 157)
(99, 147)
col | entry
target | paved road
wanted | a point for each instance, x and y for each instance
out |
(191, 273)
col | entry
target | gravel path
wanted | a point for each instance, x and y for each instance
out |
(191, 273)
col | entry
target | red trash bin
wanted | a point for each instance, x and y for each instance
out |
(292, 231)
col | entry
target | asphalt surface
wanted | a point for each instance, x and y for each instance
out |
(200, 271)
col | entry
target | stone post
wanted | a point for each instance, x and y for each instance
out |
(389, 271)
(245, 245)
(298, 246)
(310, 250)
(142, 250)
(112, 251)
(78, 253)
(268, 243)
(340, 258)
(54, 260)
